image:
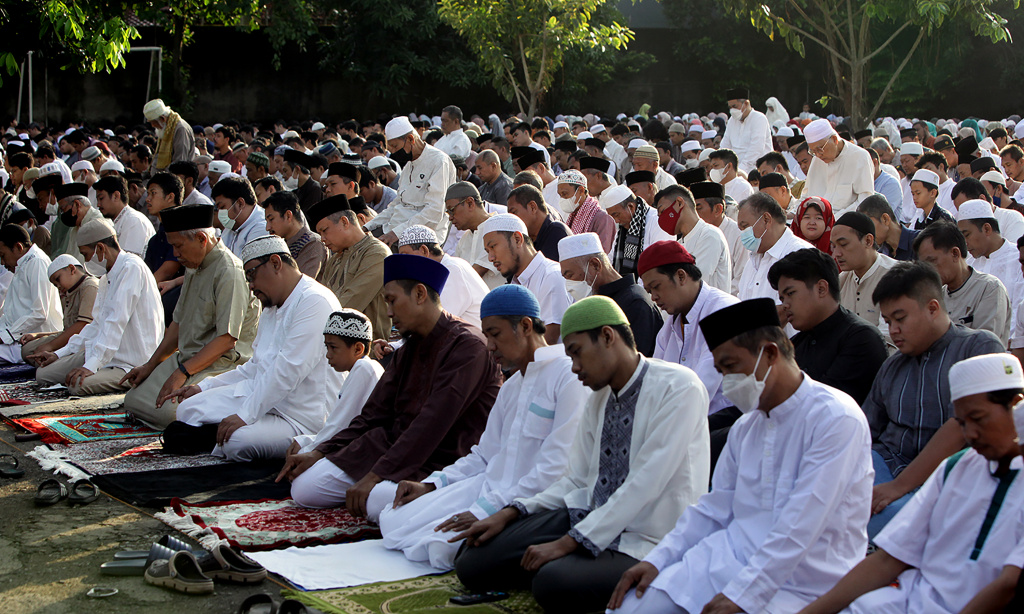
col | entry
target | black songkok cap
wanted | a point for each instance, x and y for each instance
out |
(691, 176)
(858, 221)
(639, 177)
(325, 207)
(707, 189)
(595, 163)
(736, 319)
(187, 217)
(737, 93)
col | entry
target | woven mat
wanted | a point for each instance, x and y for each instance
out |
(29, 391)
(17, 373)
(428, 594)
(82, 428)
(266, 524)
(130, 455)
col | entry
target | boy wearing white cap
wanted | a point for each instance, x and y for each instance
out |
(924, 190)
(840, 172)
(77, 290)
(956, 545)
(426, 174)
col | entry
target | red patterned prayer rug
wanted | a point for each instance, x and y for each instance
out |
(90, 427)
(266, 524)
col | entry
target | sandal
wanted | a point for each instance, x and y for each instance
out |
(169, 541)
(223, 563)
(260, 603)
(181, 572)
(50, 491)
(136, 566)
(83, 492)
(10, 468)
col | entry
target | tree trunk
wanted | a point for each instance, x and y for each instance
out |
(177, 46)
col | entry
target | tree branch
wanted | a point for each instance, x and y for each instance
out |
(833, 26)
(823, 44)
(881, 47)
(799, 9)
(899, 69)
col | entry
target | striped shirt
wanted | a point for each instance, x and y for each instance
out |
(909, 399)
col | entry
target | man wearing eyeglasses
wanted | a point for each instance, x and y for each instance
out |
(840, 172)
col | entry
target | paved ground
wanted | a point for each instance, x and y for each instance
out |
(50, 557)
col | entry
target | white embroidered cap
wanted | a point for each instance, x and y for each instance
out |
(614, 196)
(572, 177)
(112, 165)
(985, 373)
(708, 134)
(349, 323)
(416, 235)
(503, 222)
(263, 246)
(397, 128)
(583, 244)
(975, 209)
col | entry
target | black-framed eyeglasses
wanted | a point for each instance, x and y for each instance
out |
(250, 274)
(450, 210)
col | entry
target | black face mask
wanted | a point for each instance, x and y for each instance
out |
(402, 157)
(68, 218)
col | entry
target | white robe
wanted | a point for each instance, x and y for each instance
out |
(787, 514)
(522, 451)
(708, 246)
(355, 389)
(31, 304)
(463, 291)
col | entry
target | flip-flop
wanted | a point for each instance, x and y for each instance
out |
(50, 491)
(10, 468)
(223, 563)
(83, 492)
(181, 572)
(168, 541)
(260, 603)
(22, 437)
(137, 567)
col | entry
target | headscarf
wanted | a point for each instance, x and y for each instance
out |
(823, 242)
(973, 125)
(776, 112)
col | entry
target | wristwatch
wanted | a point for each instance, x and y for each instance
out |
(181, 367)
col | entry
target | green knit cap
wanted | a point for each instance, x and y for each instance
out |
(590, 313)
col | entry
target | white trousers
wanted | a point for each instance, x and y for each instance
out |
(654, 601)
(11, 353)
(268, 437)
(324, 484)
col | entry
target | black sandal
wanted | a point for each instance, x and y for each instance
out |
(83, 492)
(12, 469)
(50, 491)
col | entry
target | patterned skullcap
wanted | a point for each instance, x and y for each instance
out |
(572, 177)
(350, 324)
(263, 246)
(416, 235)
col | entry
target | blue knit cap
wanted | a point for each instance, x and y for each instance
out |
(510, 300)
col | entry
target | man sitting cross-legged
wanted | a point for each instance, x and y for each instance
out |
(426, 412)
(521, 452)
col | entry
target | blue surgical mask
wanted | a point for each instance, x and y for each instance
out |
(748, 239)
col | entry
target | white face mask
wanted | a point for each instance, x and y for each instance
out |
(291, 184)
(692, 163)
(744, 390)
(95, 266)
(225, 219)
(568, 205)
(736, 113)
(717, 175)
(30, 193)
(579, 290)
(51, 209)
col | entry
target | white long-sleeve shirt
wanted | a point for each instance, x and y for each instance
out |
(421, 190)
(749, 139)
(134, 231)
(787, 514)
(544, 278)
(843, 182)
(708, 246)
(358, 383)
(455, 143)
(738, 255)
(681, 341)
(288, 372)
(463, 291)
(128, 319)
(1004, 263)
(754, 281)
(31, 304)
(669, 460)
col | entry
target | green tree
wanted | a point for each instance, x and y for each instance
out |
(78, 34)
(521, 44)
(849, 32)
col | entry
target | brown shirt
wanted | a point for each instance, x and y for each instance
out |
(309, 252)
(428, 409)
(356, 276)
(79, 302)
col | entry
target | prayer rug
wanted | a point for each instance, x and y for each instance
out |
(266, 524)
(416, 596)
(115, 456)
(17, 373)
(90, 427)
(29, 391)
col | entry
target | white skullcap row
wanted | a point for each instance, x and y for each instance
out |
(708, 134)
(219, 166)
(785, 131)
(994, 177)
(705, 155)
(561, 125)
(926, 176)
(690, 146)
(397, 128)
(572, 177)
(911, 148)
(348, 323)
(263, 246)
(377, 162)
(112, 165)
(614, 196)
(81, 165)
(697, 128)
(975, 209)
(584, 135)
(318, 126)
(416, 235)
(819, 130)
(503, 222)
(985, 373)
(597, 129)
(61, 262)
(635, 143)
(583, 244)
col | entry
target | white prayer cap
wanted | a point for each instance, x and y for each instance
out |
(108, 132)
(349, 323)
(785, 131)
(66, 132)
(583, 244)
(561, 125)
(503, 222)
(987, 144)
(636, 143)
(690, 146)
(377, 162)
(697, 128)
(318, 126)
(288, 134)
(677, 128)
(572, 177)
(911, 148)
(621, 116)
(904, 125)
(994, 177)
(705, 155)
(93, 152)
(417, 234)
(819, 130)
(81, 165)
(220, 166)
(112, 165)
(646, 151)
(263, 246)
(975, 209)
(435, 120)
(50, 168)
(926, 176)
(597, 129)
(614, 196)
(586, 134)
(218, 126)
(424, 117)
(93, 231)
(983, 123)
(155, 109)
(985, 373)
(708, 134)
(61, 262)
(397, 128)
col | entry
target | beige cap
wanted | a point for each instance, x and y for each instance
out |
(93, 231)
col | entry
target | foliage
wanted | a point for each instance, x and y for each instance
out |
(521, 44)
(88, 36)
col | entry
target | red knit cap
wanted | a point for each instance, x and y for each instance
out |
(662, 253)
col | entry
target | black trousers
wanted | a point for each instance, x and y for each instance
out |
(575, 583)
(719, 424)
